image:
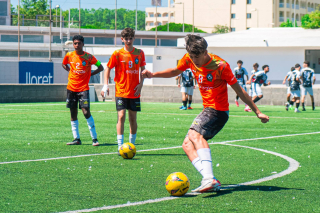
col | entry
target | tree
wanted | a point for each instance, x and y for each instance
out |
(219, 29)
(288, 23)
(173, 27)
(311, 21)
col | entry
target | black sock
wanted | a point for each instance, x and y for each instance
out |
(312, 105)
(291, 103)
(297, 105)
(237, 97)
(190, 103)
(288, 99)
(303, 105)
(256, 99)
(184, 103)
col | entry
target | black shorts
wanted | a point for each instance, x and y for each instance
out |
(209, 122)
(74, 97)
(132, 104)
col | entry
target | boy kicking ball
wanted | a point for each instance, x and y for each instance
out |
(212, 74)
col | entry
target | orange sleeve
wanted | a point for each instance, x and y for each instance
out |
(143, 59)
(66, 59)
(93, 60)
(113, 60)
(183, 63)
(227, 74)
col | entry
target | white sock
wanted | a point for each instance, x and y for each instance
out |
(92, 127)
(120, 140)
(75, 129)
(132, 138)
(198, 165)
(206, 161)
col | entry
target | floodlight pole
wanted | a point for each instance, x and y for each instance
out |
(115, 26)
(136, 15)
(18, 30)
(50, 21)
(156, 38)
(79, 20)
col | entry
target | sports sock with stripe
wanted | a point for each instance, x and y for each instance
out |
(75, 129)
(120, 140)
(92, 127)
(132, 138)
(198, 165)
(206, 161)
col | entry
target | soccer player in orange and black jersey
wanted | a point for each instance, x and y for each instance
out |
(78, 87)
(127, 63)
(212, 74)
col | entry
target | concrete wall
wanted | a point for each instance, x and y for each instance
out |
(273, 95)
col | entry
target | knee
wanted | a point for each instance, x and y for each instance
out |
(187, 144)
(260, 96)
(86, 113)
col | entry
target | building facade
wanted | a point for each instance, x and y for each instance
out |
(235, 14)
(5, 12)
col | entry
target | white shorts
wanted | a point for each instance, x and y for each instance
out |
(288, 90)
(188, 90)
(295, 93)
(306, 90)
(256, 90)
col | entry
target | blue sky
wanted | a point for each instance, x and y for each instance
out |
(110, 4)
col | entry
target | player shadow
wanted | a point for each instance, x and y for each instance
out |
(228, 190)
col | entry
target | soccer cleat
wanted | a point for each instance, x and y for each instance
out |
(119, 153)
(183, 108)
(313, 108)
(208, 185)
(247, 109)
(237, 103)
(95, 142)
(287, 107)
(190, 108)
(304, 109)
(297, 110)
(76, 141)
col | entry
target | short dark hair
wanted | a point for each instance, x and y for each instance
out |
(195, 44)
(128, 33)
(256, 64)
(239, 62)
(297, 66)
(292, 68)
(307, 63)
(264, 66)
(78, 37)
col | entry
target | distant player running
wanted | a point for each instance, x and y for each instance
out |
(239, 73)
(294, 78)
(260, 79)
(289, 102)
(79, 69)
(188, 85)
(308, 79)
(255, 69)
(127, 62)
(212, 74)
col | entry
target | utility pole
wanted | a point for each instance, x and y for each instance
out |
(18, 30)
(156, 38)
(136, 15)
(79, 20)
(50, 21)
(115, 26)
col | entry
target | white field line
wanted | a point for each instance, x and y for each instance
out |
(293, 166)
(156, 149)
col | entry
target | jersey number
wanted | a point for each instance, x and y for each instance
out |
(78, 64)
(130, 64)
(200, 79)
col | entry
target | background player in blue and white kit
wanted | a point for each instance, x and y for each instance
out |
(308, 79)
(260, 79)
(294, 79)
(239, 73)
(289, 102)
(255, 69)
(188, 85)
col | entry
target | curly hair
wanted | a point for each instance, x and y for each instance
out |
(78, 37)
(128, 33)
(195, 44)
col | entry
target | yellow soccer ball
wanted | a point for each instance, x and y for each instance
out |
(177, 184)
(127, 150)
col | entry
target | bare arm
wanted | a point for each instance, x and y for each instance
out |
(314, 80)
(167, 73)
(250, 80)
(138, 88)
(66, 67)
(100, 68)
(245, 98)
(284, 80)
(105, 89)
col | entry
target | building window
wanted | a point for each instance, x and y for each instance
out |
(88, 40)
(103, 40)
(248, 15)
(281, 16)
(165, 15)
(248, 28)
(151, 24)
(30, 54)
(233, 29)
(233, 1)
(33, 38)
(3, 8)
(169, 42)
(288, 3)
(149, 42)
(233, 15)
(9, 38)
(151, 15)
(281, 3)
(159, 15)
(56, 39)
(248, 1)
